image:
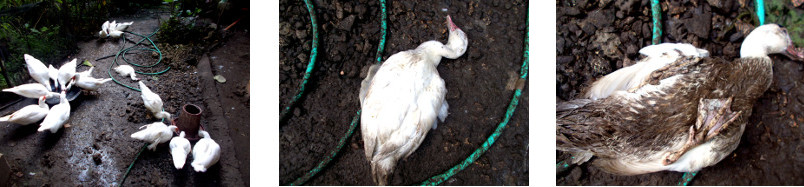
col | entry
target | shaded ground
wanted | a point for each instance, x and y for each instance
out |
(96, 149)
(476, 84)
(596, 38)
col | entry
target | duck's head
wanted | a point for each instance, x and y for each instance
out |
(457, 41)
(769, 39)
(174, 128)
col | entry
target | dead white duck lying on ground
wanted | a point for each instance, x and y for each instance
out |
(403, 99)
(179, 149)
(57, 115)
(152, 102)
(155, 133)
(126, 70)
(685, 114)
(28, 114)
(205, 152)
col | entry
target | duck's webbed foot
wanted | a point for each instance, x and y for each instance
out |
(714, 115)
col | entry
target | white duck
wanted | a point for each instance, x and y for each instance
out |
(155, 133)
(403, 100)
(179, 148)
(31, 90)
(67, 73)
(88, 82)
(28, 114)
(57, 115)
(126, 70)
(38, 70)
(205, 153)
(152, 102)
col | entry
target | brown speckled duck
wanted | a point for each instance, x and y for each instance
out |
(675, 110)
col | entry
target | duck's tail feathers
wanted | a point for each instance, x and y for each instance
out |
(105, 80)
(381, 168)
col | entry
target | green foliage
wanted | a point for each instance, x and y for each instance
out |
(44, 43)
(783, 13)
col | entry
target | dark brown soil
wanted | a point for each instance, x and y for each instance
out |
(97, 149)
(594, 38)
(476, 84)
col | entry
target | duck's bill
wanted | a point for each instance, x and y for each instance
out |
(452, 26)
(795, 53)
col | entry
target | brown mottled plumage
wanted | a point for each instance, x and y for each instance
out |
(678, 119)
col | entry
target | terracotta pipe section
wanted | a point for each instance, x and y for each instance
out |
(189, 121)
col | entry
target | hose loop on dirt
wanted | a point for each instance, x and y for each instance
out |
(313, 54)
(123, 51)
(761, 11)
(656, 13)
(353, 125)
(438, 179)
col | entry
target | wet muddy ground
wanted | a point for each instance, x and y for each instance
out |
(594, 38)
(476, 84)
(96, 148)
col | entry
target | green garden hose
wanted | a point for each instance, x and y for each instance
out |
(761, 11)
(656, 12)
(355, 119)
(313, 54)
(121, 55)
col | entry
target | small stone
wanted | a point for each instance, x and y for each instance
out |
(284, 29)
(301, 34)
(346, 24)
(302, 57)
(296, 112)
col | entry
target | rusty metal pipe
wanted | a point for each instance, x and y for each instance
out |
(189, 121)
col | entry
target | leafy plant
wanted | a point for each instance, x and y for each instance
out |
(783, 12)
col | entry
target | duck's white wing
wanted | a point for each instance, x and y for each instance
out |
(105, 26)
(633, 76)
(122, 26)
(684, 49)
(66, 72)
(398, 109)
(37, 70)
(367, 81)
(55, 118)
(150, 99)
